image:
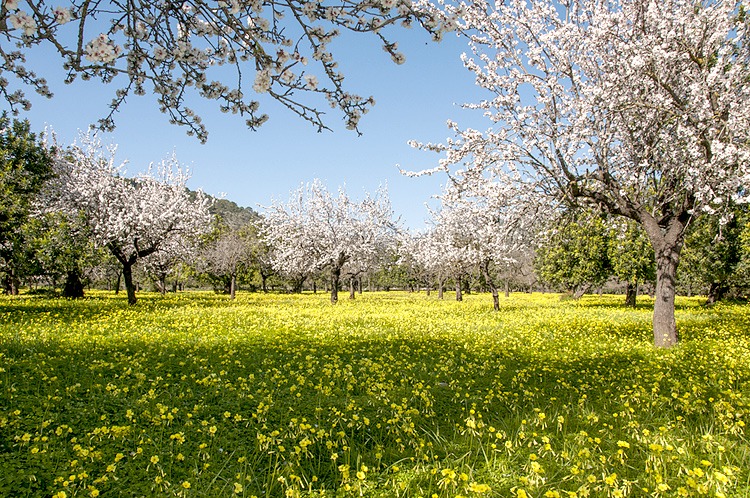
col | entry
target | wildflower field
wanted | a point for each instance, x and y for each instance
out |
(390, 395)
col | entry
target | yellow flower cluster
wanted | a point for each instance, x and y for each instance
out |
(393, 394)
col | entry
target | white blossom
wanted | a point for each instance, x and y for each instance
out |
(398, 58)
(102, 49)
(317, 230)
(311, 81)
(131, 217)
(21, 20)
(62, 15)
(160, 53)
(204, 42)
(262, 81)
(639, 108)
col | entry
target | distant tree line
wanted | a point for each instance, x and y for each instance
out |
(70, 218)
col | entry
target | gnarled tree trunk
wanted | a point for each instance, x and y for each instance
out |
(665, 325)
(264, 282)
(335, 277)
(162, 284)
(579, 291)
(666, 239)
(127, 261)
(11, 283)
(127, 274)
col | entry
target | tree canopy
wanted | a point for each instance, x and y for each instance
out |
(25, 165)
(225, 51)
(636, 107)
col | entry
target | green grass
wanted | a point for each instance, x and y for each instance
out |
(392, 395)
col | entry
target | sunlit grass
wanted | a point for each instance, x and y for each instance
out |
(393, 394)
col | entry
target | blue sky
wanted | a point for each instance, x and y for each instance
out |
(413, 101)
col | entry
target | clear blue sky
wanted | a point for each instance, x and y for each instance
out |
(413, 101)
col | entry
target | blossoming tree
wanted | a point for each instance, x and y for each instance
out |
(318, 231)
(456, 253)
(228, 253)
(483, 225)
(637, 107)
(132, 217)
(220, 50)
(172, 256)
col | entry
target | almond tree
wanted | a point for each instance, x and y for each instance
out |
(447, 250)
(222, 50)
(131, 217)
(637, 107)
(316, 231)
(228, 254)
(411, 256)
(425, 253)
(487, 225)
(168, 258)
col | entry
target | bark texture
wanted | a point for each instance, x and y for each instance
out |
(631, 292)
(335, 277)
(666, 239)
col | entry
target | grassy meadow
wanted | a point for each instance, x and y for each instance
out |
(391, 395)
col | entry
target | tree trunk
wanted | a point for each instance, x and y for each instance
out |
(127, 273)
(507, 287)
(264, 282)
(11, 283)
(666, 237)
(335, 276)
(631, 291)
(351, 288)
(359, 285)
(73, 287)
(578, 292)
(459, 296)
(163, 284)
(491, 284)
(716, 292)
(232, 286)
(441, 289)
(665, 325)
(117, 283)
